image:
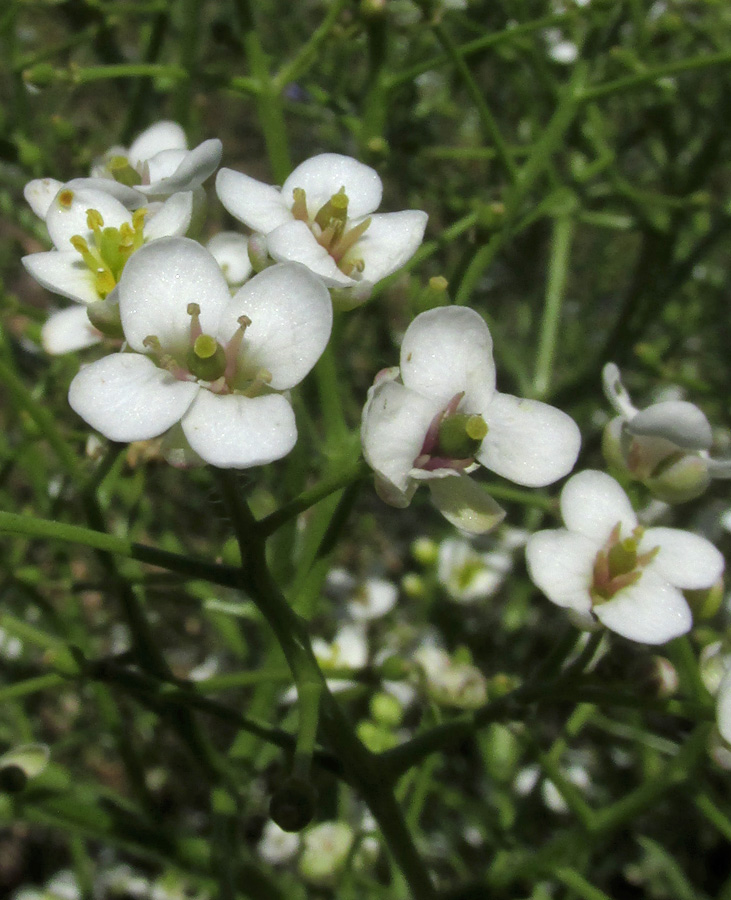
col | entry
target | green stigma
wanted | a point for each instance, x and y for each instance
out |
(461, 435)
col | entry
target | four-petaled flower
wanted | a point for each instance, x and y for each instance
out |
(323, 217)
(605, 566)
(439, 416)
(218, 365)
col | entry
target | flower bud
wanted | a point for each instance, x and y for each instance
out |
(104, 316)
(292, 806)
(683, 480)
(20, 764)
(705, 602)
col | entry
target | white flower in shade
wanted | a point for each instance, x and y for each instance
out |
(439, 416)
(218, 365)
(715, 670)
(277, 846)
(94, 235)
(323, 216)
(605, 566)
(468, 574)
(451, 682)
(327, 847)
(665, 446)
(374, 598)
(231, 252)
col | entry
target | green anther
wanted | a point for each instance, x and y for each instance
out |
(206, 359)
(121, 171)
(299, 207)
(460, 436)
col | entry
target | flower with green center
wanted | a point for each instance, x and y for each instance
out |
(438, 417)
(214, 367)
(323, 217)
(604, 567)
(94, 236)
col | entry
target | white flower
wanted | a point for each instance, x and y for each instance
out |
(322, 217)
(605, 566)
(469, 575)
(216, 364)
(277, 846)
(94, 235)
(374, 598)
(450, 682)
(439, 416)
(327, 847)
(665, 446)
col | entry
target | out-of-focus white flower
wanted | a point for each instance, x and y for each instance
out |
(323, 217)
(439, 416)
(94, 236)
(326, 850)
(347, 650)
(605, 566)
(448, 682)
(577, 775)
(665, 446)
(277, 846)
(560, 49)
(231, 252)
(372, 599)
(469, 575)
(216, 364)
(715, 670)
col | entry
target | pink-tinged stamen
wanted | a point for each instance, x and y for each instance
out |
(234, 346)
(431, 439)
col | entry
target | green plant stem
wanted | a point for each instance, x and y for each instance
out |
(190, 16)
(576, 882)
(563, 230)
(307, 53)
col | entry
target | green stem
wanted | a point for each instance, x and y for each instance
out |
(578, 884)
(307, 54)
(190, 16)
(563, 230)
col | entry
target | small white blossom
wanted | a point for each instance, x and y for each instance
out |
(604, 566)
(468, 574)
(372, 599)
(218, 365)
(439, 416)
(450, 682)
(277, 846)
(323, 217)
(327, 847)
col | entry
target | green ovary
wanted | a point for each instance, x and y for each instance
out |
(461, 435)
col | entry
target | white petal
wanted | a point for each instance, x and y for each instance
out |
(561, 563)
(294, 242)
(127, 196)
(675, 420)
(64, 273)
(193, 169)
(159, 282)
(389, 242)
(163, 135)
(465, 504)
(258, 205)
(231, 252)
(127, 398)
(446, 351)
(527, 441)
(68, 330)
(64, 220)
(291, 319)
(650, 611)
(235, 432)
(686, 560)
(39, 193)
(322, 176)
(172, 218)
(592, 503)
(723, 708)
(395, 423)
(616, 392)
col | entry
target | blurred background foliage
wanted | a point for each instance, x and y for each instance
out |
(574, 161)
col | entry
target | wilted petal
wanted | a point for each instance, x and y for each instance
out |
(324, 175)
(560, 563)
(527, 441)
(389, 242)
(39, 194)
(67, 214)
(68, 330)
(650, 611)
(64, 273)
(446, 351)
(395, 423)
(294, 242)
(168, 175)
(592, 503)
(675, 420)
(159, 282)
(686, 560)
(465, 504)
(127, 398)
(291, 319)
(172, 218)
(260, 206)
(163, 135)
(231, 252)
(236, 432)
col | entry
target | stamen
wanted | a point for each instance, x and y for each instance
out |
(66, 198)
(348, 239)
(194, 311)
(234, 346)
(335, 210)
(299, 207)
(260, 380)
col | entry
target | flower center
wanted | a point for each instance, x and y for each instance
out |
(217, 367)
(330, 228)
(110, 249)
(618, 564)
(120, 169)
(452, 439)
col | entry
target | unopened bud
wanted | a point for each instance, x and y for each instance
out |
(292, 806)
(104, 316)
(705, 602)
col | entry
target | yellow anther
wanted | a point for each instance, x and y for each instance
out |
(94, 219)
(66, 198)
(138, 218)
(193, 309)
(79, 244)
